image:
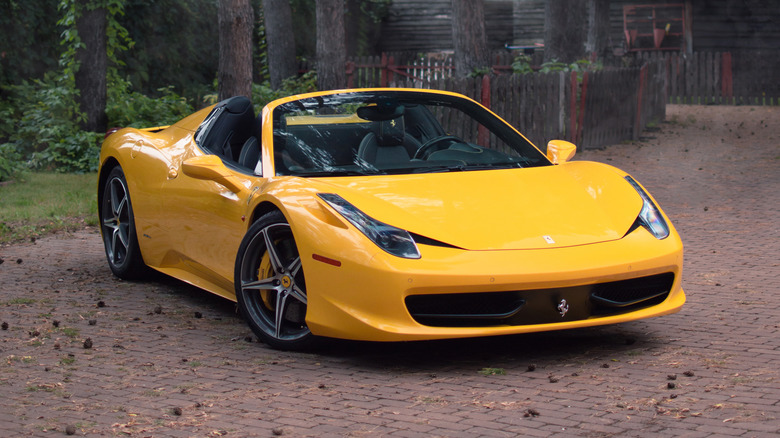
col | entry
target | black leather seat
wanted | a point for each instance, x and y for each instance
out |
(234, 122)
(390, 144)
(249, 156)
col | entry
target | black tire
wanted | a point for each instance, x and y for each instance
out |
(270, 286)
(118, 226)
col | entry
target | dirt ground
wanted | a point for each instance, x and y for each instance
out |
(83, 353)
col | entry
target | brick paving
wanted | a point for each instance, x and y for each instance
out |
(155, 369)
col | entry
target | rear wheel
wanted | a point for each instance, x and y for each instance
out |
(118, 226)
(270, 286)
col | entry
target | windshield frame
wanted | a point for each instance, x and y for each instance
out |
(527, 154)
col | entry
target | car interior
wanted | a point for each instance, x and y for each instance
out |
(365, 138)
(231, 131)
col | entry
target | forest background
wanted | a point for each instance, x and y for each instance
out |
(163, 59)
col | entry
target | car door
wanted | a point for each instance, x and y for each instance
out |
(206, 223)
(206, 197)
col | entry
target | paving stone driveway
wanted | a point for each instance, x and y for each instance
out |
(169, 360)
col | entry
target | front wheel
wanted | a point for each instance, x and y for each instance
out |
(118, 227)
(270, 286)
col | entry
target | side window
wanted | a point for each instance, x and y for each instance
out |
(205, 127)
(230, 132)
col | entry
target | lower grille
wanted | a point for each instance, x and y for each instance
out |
(628, 294)
(539, 306)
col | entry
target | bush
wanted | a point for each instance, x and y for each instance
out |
(40, 124)
(128, 108)
(45, 134)
(262, 94)
(10, 162)
(522, 65)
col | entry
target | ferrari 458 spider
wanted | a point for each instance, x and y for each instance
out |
(384, 215)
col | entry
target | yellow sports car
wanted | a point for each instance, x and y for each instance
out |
(384, 215)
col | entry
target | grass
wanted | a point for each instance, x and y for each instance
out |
(70, 332)
(492, 371)
(37, 204)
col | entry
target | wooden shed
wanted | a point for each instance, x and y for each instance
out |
(711, 25)
(426, 26)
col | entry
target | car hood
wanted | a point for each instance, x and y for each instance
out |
(577, 203)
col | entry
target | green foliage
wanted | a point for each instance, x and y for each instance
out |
(127, 107)
(70, 40)
(262, 94)
(40, 128)
(47, 136)
(363, 24)
(46, 133)
(176, 43)
(522, 65)
(117, 37)
(492, 371)
(479, 72)
(10, 162)
(304, 25)
(30, 39)
(260, 54)
(77, 152)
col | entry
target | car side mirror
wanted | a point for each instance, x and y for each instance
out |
(210, 168)
(560, 151)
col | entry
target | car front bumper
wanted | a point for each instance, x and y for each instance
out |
(379, 297)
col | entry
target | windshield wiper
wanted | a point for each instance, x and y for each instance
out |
(336, 172)
(464, 167)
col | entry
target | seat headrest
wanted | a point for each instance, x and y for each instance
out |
(238, 105)
(391, 132)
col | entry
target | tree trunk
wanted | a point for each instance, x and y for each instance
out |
(279, 40)
(235, 19)
(91, 75)
(331, 45)
(565, 30)
(468, 36)
(598, 28)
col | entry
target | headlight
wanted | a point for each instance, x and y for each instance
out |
(394, 240)
(650, 217)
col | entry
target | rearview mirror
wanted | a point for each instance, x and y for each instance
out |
(210, 168)
(560, 151)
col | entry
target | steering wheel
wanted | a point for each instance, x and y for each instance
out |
(433, 145)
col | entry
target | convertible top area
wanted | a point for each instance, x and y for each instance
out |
(232, 132)
(367, 133)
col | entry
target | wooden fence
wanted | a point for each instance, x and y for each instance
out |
(702, 78)
(601, 108)
(379, 71)
(756, 78)
(741, 78)
(745, 78)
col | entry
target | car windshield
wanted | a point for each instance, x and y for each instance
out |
(393, 132)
